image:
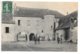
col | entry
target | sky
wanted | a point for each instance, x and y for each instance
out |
(62, 7)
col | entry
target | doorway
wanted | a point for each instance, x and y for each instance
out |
(66, 37)
(31, 36)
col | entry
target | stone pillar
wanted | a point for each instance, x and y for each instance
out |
(28, 38)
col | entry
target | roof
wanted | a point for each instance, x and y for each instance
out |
(35, 12)
(65, 22)
(28, 12)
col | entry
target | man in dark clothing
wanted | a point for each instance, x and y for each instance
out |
(39, 39)
(35, 39)
(17, 37)
(58, 40)
(61, 39)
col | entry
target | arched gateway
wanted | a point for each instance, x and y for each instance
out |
(21, 36)
(31, 36)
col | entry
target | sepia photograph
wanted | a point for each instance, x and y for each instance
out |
(39, 26)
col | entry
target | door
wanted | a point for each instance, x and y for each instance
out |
(66, 37)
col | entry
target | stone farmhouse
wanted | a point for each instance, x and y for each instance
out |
(29, 21)
(25, 23)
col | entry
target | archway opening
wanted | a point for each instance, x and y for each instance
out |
(31, 36)
(21, 36)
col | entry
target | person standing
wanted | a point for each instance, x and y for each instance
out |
(17, 37)
(39, 39)
(61, 39)
(35, 39)
(58, 39)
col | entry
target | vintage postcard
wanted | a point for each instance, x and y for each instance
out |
(39, 26)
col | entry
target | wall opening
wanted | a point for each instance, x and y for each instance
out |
(66, 37)
(6, 29)
(31, 36)
(18, 22)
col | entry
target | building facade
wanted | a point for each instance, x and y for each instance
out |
(68, 28)
(26, 21)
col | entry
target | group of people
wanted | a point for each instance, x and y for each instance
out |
(37, 39)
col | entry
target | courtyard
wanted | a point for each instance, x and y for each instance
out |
(42, 46)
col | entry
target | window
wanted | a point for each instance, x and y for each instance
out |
(7, 29)
(18, 22)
